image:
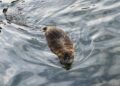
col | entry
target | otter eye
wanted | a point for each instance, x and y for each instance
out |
(45, 28)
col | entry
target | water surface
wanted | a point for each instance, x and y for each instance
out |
(26, 59)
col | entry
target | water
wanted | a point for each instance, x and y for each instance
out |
(93, 25)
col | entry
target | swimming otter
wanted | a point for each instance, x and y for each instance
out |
(60, 44)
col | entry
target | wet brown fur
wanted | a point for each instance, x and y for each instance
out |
(59, 43)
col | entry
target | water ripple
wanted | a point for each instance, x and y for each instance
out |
(26, 59)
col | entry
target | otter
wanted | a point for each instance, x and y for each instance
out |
(60, 44)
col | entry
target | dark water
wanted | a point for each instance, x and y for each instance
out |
(93, 25)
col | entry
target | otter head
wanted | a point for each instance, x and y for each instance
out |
(48, 28)
(66, 60)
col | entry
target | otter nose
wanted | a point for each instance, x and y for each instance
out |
(67, 66)
(66, 63)
(44, 29)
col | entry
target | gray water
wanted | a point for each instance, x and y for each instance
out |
(93, 25)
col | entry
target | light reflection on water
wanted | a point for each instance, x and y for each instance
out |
(93, 25)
